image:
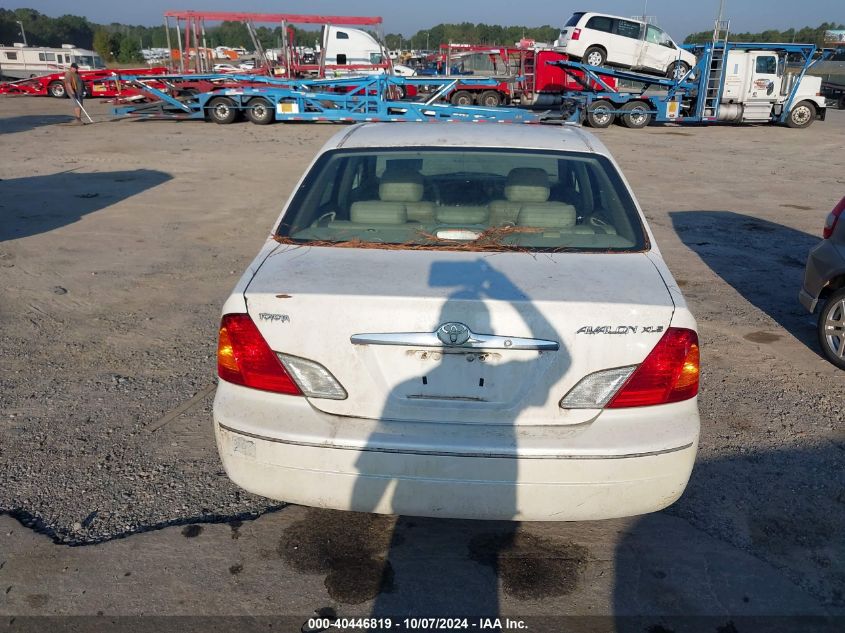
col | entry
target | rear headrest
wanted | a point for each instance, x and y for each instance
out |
(401, 186)
(377, 212)
(527, 184)
(550, 215)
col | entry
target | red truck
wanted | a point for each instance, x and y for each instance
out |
(526, 77)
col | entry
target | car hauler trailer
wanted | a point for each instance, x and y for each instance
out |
(368, 98)
(732, 82)
(98, 83)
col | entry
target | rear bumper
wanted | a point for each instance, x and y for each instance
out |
(441, 474)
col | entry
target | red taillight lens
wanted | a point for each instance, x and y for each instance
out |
(576, 34)
(244, 358)
(668, 374)
(832, 218)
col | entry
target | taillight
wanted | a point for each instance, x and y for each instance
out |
(668, 374)
(832, 218)
(576, 34)
(244, 358)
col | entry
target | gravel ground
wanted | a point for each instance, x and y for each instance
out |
(119, 242)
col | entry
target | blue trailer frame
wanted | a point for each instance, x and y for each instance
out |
(694, 97)
(348, 99)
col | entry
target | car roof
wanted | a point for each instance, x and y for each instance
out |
(610, 15)
(488, 135)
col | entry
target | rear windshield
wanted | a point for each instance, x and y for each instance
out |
(464, 199)
(574, 19)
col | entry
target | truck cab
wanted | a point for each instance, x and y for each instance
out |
(758, 84)
(353, 47)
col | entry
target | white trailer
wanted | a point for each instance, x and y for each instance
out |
(22, 62)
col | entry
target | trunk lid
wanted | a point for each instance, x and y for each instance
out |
(601, 310)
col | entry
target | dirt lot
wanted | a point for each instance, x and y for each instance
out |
(119, 242)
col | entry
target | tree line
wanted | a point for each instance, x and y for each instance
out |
(806, 35)
(469, 33)
(123, 43)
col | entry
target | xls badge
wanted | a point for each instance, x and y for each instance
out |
(619, 329)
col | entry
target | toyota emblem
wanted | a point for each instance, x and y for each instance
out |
(453, 334)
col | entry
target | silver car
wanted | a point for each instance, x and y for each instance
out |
(824, 285)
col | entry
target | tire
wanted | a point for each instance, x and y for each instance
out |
(600, 114)
(635, 115)
(57, 89)
(490, 99)
(677, 70)
(222, 110)
(260, 111)
(801, 115)
(594, 56)
(462, 98)
(831, 328)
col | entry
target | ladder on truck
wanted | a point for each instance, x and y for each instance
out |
(714, 80)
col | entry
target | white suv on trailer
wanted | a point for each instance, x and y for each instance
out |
(599, 39)
(460, 321)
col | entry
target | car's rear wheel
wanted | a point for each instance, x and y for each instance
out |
(259, 111)
(600, 114)
(635, 115)
(462, 98)
(594, 56)
(222, 110)
(831, 328)
(802, 115)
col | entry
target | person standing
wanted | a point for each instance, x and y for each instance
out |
(75, 89)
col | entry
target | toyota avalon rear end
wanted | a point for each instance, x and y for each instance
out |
(474, 324)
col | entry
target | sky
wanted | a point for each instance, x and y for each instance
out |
(678, 17)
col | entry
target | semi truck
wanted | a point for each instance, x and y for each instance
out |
(732, 82)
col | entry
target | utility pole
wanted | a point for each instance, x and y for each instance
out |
(23, 33)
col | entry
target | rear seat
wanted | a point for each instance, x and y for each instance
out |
(527, 204)
(400, 201)
(406, 187)
(378, 212)
(476, 214)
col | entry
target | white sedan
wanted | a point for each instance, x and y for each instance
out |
(460, 320)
